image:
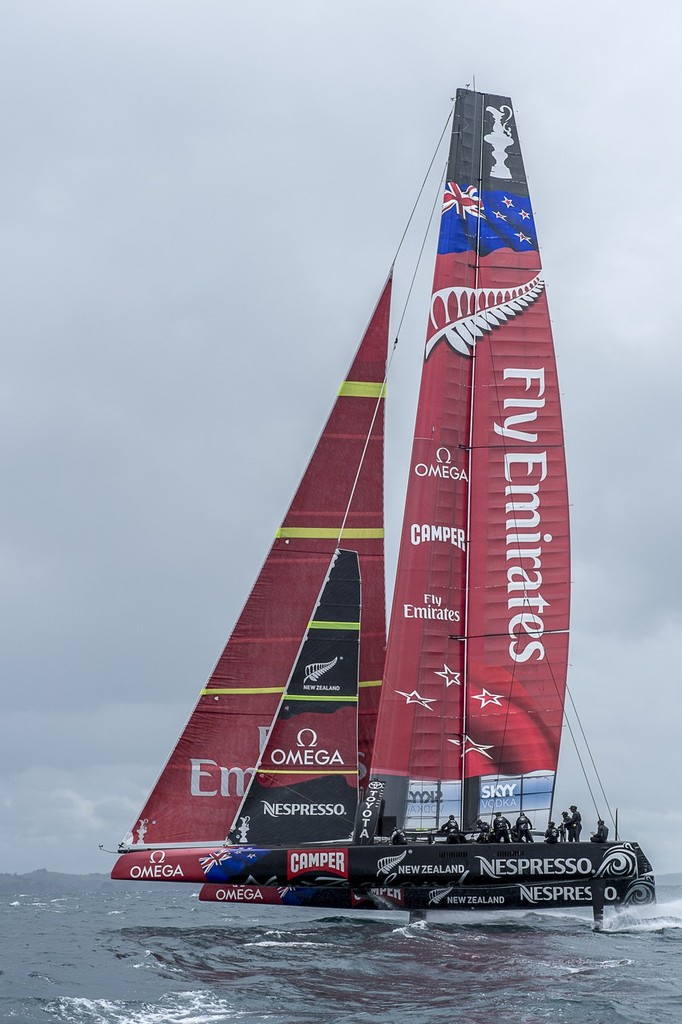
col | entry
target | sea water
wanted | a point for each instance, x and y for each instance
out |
(159, 956)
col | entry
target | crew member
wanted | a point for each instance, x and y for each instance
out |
(501, 828)
(602, 833)
(452, 831)
(551, 833)
(574, 825)
(523, 829)
(398, 837)
(563, 825)
(483, 831)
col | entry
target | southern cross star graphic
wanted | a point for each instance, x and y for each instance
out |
(414, 698)
(449, 676)
(474, 748)
(487, 698)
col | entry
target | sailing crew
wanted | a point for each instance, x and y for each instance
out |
(483, 831)
(574, 825)
(551, 833)
(451, 830)
(398, 837)
(501, 828)
(523, 828)
(602, 833)
(563, 825)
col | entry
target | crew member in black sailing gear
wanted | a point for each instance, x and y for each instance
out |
(563, 825)
(523, 829)
(551, 833)
(452, 832)
(574, 825)
(483, 832)
(398, 838)
(602, 833)
(501, 828)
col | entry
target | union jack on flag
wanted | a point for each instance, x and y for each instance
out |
(214, 860)
(464, 201)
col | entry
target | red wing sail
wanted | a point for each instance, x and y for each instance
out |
(204, 781)
(477, 655)
(305, 788)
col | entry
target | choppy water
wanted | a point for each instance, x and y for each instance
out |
(160, 957)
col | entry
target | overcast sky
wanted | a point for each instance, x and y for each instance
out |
(200, 203)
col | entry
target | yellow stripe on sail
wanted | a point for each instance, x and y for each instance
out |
(320, 624)
(329, 533)
(363, 389)
(238, 690)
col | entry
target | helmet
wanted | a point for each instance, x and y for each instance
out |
(573, 808)
(550, 822)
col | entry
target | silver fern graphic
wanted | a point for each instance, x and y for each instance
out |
(317, 669)
(619, 861)
(463, 315)
(437, 896)
(385, 865)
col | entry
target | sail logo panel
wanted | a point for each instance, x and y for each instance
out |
(477, 653)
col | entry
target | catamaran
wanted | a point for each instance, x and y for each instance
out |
(320, 738)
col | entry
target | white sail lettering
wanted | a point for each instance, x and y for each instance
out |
(411, 611)
(525, 499)
(530, 506)
(198, 772)
(196, 775)
(423, 533)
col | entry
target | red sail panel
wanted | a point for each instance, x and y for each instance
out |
(203, 783)
(476, 660)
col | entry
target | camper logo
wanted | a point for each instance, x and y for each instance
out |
(317, 862)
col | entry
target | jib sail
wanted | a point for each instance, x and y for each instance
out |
(204, 781)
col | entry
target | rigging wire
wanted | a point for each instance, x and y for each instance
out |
(402, 316)
(589, 751)
(423, 185)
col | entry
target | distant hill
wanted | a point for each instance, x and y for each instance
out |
(56, 883)
(674, 879)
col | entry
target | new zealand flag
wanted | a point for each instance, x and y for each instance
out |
(493, 220)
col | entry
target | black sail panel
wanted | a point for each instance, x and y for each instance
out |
(304, 788)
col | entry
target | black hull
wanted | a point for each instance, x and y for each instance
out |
(521, 896)
(466, 866)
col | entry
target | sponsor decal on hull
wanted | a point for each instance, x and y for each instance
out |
(326, 862)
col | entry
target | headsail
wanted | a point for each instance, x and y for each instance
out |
(477, 654)
(205, 779)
